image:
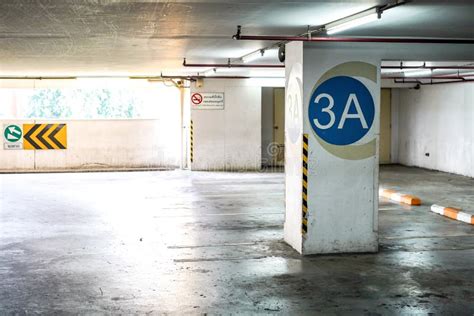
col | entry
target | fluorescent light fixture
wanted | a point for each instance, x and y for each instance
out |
(214, 71)
(417, 72)
(353, 21)
(209, 72)
(225, 70)
(253, 56)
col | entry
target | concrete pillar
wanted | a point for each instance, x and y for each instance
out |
(331, 130)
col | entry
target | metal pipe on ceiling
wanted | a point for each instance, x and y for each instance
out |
(425, 78)
(322, 28)
(191, 78)
(36, 78)
(150, 78)
(229, 65)
(428, 67)
(233, 66)
(220, 65)
(433, 82)
(194, 77)
(353, 39)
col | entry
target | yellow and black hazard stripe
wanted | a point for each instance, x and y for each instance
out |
(44, 136)
(304, 224)
(192, 142)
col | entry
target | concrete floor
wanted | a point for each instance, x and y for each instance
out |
(179, 242)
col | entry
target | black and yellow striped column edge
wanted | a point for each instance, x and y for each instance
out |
(304, 224)
(192, 142)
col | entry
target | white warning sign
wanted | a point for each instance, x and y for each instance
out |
(207, 100)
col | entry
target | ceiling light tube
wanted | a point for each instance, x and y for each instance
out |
(417, 72)
(209, 72)
(253, 56)
(225, 70)
(353, 21)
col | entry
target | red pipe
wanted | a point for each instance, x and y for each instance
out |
(232, 66)
(425, 78)
(222, 77)
(427, 67)
(283, 66)
(353, 39)
(434, 82)
(191, 77)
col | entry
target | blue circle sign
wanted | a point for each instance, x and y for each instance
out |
(341, 110)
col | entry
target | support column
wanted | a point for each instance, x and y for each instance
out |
(332, 131)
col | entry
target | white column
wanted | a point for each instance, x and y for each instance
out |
(293, 144)
(339, 115)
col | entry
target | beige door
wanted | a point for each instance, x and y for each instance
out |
(279, 126)
(385, 126)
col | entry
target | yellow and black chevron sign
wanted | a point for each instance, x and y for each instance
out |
(44, 136)
(304, 224)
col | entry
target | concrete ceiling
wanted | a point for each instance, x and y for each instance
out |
(98, 37)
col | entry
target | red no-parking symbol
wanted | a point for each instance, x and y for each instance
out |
(196, 98)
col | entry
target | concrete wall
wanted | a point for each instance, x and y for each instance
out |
(230, 139)
(101, 144)
(437, 120)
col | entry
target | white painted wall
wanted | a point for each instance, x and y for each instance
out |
(102, 144)
(438, 120)
(230, 139)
